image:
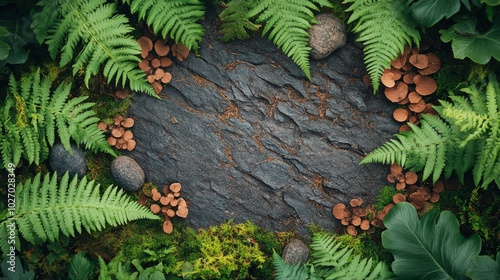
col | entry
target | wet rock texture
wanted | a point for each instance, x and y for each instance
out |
(250, 138)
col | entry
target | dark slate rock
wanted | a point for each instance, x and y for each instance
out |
(295, 252)
(127, 173)
(326, 36)
(61, 161)
(250, 138)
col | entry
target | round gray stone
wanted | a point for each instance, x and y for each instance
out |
(127, 173)
(61, 161)
(295, 251)
(326, 36)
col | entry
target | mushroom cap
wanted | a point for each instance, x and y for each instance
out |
(122, 93)
(111, 141)
(414, 97)
(434, 197)
(180, 51)
(408, 78)
(165, 200)
(131, 144)
(145, 65)
(168, 227)
(355, 202)
(399, 197)
(400, 115)
(424, 85)
(345, 221)
(175, 187)
(338, 211)
(356, 221)
(388, 79)
(433, 67)
(155, 208)
(159, 74)
(411, 177)
(146, 45)
(151, 79)
(396, 169)
(417, 107)
(351, 230)
(182, 203)
(165, 62)
(397, 93)
(128, 122)
(182, 211)
(167, 77)
(388, 207)
(174, 202)
(365, 225)
(155, 195)
(400, 186)
(157, 87)
(117, 132)
(155, 63)
(438, 186)
(170, 213)
(117, 119)
(367, 81)
(420, 61)
(161, 48)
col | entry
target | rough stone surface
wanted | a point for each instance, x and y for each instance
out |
(326, 36)
(295, 251)
(127, 173)
(61, 161)
(250, 138)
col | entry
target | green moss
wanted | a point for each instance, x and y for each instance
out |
(98, 168)
(385, 197)
(452, 73)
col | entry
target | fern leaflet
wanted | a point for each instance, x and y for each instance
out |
(46, 208)
(465, 136)
(103, 37)
(384, 27)
(287, 22)
(175, 18)
(32, 117)
(236, 22)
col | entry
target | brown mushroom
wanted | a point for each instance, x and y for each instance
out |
(411, 177)
(175, 187)
(182, 203)
(103, 126)
(165, 200)
(400, 186)
(365, 225)
(388, 79)
(155, 63)
(170, 213)
(391, 178)
(377, 222)
(338, 211)
(345, 221)
(167, 77)
(151, 79)
(367, 81)
(131, 145)
(399, 197)
(155, 195)
(161, 48)
(352, 230)
(165, 62)
(174, 202)
(417, 199)
(388, 207)
(182, 212)
(180, 51)
(400, 114)
(118, 119)
(396, 169)
(159, 74)
(397, 93)
(356, 220)
(356, 202)
(433, 67)
(420, 61)
(155, 208)
(414, 97)
(381, 215)
(111, 141)
(434, 197)
(424, 85)
(408, 78)
(168, 227)
(358, 211)
(404, 127)
(145, 65)
(117, 132)
(146, 45)
(347, 213)
(438, 186)
(157, 87)
(128, 123)
(417, 107)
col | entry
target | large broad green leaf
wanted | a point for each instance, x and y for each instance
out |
(429, 12)
(491, 2)
(430, 248)
(468, 42)
(484, 268)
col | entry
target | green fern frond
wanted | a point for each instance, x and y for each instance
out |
(287, 22)
(90, 33)
(46, 208)
(32, 118)
(178, 19)
(384, 27)
(464, 136)
(235, 21)
(286, 271)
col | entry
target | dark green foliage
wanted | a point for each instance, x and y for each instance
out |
(47, 208)
(286, 23)
(91, 31)
(331, 260)
(236, 22)
(484, 268)
(384, 27)
(428, 12)
(465, 136)
(384, 197)
(17, 273)
(178, 19)
(80, 268)
(32, 116)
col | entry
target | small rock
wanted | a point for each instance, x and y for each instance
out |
(61, 161)
(127, 173)
(295, 251)
(326, 36)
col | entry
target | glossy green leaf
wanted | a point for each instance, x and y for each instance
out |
(484, 268)
(429, 248)
(491, 2)
(429, 12)
(4, 50)
(468, 42)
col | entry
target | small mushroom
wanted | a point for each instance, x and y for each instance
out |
(167, 77)
(131, 145)
(424, 85)
(155, 208)
(175, 187)
(417, 107)
(356, 220)
(156, 86)
(182, 212)
(180, 51)
(365, 225)
(397, 93)
(338, 211)
(165, 62)
(161, 48)
(155, 63)
(414, 97)
(399, 197)
(438, 186)
(165, 200)
(118, 119)
(352, 230)
(159, 74)
(145, 65)
(420, 61)
(411, 177)
(170, 213)
(433, 67)
(400, 115)
(112, 141)
(117, 132)
(146, 45)
(168, 227)
(356, 202)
